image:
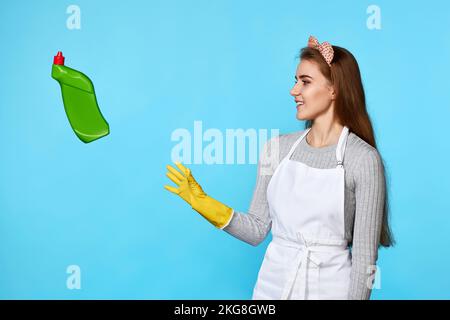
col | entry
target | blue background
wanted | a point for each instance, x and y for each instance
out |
(160, 65)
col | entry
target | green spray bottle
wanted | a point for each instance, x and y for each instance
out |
(79, 101)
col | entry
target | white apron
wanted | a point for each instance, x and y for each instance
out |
(308, 257)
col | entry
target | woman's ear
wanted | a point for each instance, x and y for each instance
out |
(332, 92)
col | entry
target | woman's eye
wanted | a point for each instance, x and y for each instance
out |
(304, 82)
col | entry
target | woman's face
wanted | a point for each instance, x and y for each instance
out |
(312, 92)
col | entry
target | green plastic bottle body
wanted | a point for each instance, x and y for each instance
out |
(80, 103)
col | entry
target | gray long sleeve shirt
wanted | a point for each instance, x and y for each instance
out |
(364, 200)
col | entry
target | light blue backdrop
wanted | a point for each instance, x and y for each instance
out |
(158, 66)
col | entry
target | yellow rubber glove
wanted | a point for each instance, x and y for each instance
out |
(190, 191)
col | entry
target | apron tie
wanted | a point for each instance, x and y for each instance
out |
(300, 262)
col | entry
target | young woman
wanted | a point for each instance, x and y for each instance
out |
(325, 201)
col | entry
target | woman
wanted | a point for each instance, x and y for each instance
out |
(325, 201)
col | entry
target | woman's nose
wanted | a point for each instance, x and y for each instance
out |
(295, 91)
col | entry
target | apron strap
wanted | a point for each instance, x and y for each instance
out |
(340, 149)
(297, 142)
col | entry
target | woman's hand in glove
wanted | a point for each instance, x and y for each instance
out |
(190, 191)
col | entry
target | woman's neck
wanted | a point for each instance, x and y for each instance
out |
(322, 135)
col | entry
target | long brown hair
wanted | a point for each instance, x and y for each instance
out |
(350, 108)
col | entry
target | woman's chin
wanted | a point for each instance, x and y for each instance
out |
(300, 115)
(303, 116)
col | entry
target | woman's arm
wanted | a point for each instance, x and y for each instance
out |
(254, 226)
(370, 196)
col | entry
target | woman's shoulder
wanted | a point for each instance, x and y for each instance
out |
(355, 142)
(358, 150)
(282, 141)
(286, 139)
(276, 147)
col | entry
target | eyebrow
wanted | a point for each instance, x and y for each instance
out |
(303, 76)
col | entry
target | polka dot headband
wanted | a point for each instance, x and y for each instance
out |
(325, 49)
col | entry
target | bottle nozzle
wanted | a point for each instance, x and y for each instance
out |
(58, 59)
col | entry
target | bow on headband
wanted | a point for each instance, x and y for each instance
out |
(325, 49)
